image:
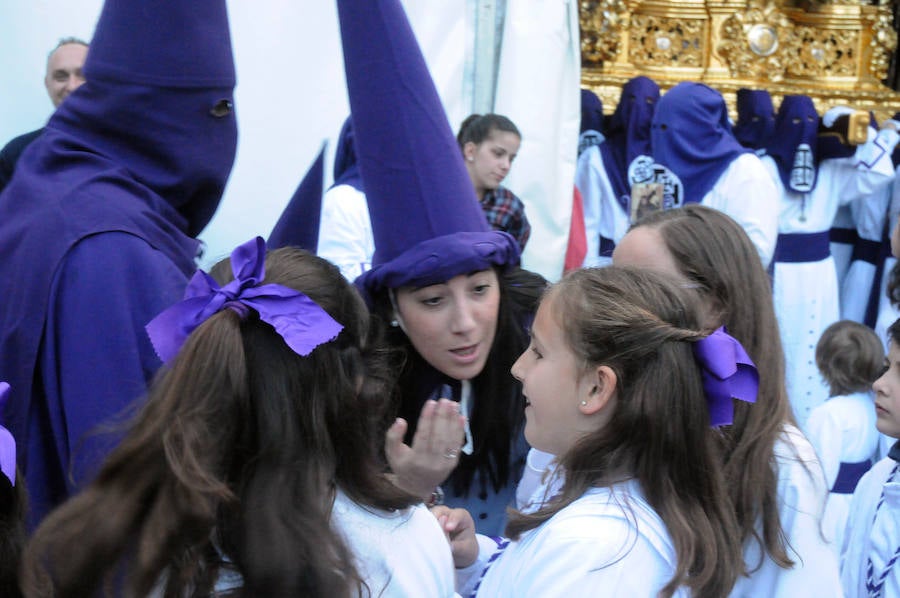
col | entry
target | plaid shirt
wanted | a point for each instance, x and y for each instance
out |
(505, 212)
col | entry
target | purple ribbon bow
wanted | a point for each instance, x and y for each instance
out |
(728, 373)
(300, 321)
(7, 442)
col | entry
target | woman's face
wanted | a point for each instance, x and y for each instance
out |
(489, 162)
(452, 324)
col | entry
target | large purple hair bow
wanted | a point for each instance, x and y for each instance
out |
(728, 373)
(7, 442)
(300, 321)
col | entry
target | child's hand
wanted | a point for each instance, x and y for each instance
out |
(459, 527)
(434, 453)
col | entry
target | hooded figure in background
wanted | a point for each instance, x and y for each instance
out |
(755, 119)
(692, 138)
(98, 230)
(814, 180)
(603, 172)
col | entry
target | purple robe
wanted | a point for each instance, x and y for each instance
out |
(97, 230)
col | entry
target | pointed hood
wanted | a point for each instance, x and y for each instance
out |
(426, 220)
(628, 133)
(346, 166)
(135, 65)
(298, 225)
(591, 132)
(755, 118)
(794, 148)
(691, 136)
(144, 147)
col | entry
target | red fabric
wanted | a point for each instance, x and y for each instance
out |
(577, 248)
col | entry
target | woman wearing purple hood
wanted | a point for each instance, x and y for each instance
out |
(448, 286)
(810, 191)
(98, 229)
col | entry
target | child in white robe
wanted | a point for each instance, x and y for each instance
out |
(617, 385)
(872, 539)
(842, 429)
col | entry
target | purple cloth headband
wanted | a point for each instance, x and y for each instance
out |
(728, 373)
(7, 442)
(298, 319)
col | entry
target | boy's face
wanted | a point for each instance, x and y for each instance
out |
(887, 395)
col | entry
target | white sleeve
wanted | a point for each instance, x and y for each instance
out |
(468, 577)
(802, 496)
(869, 170)
(747, 193)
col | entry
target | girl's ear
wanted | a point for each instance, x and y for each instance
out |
(598, 387)
(469, 151)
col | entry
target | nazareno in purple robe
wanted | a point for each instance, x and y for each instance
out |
(97, 230)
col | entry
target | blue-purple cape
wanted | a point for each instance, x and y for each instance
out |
(97, 229)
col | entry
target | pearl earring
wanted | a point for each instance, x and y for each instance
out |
(394, 323)
(584, 403)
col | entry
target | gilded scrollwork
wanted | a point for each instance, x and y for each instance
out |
(601, 24)
(823, 53)
(836, 51)
(754, 42)
(882, 45)
(666, 42)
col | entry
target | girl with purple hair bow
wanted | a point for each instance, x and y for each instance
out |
(254, 467)
(626, 386)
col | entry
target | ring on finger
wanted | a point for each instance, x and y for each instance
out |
(451, 453)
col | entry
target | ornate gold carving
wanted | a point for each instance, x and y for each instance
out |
(823, 53)
(664, 42)
(882, 45)
(601, 25)
(754, 42)
(836, 51)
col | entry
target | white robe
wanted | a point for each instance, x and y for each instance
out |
(603, 214)
(842, 252)
(609, 542)
(869, 214)
(801, 500)
(745, 192)
(842, 429)
(345, 231)
(806, 293)
(877, 540)
(398, 554)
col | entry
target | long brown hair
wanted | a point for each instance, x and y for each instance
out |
(236, 454)
(643, 326)
(713, 251)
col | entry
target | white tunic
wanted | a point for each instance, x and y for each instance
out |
(842, 252)
(842, 429)
(609, 542)
(746, 193)
(871, 537)
(604, 216)
(806, 293)
(869, 214)
(801, 500)
(399, 554)
(345, 231)
(887, 313)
